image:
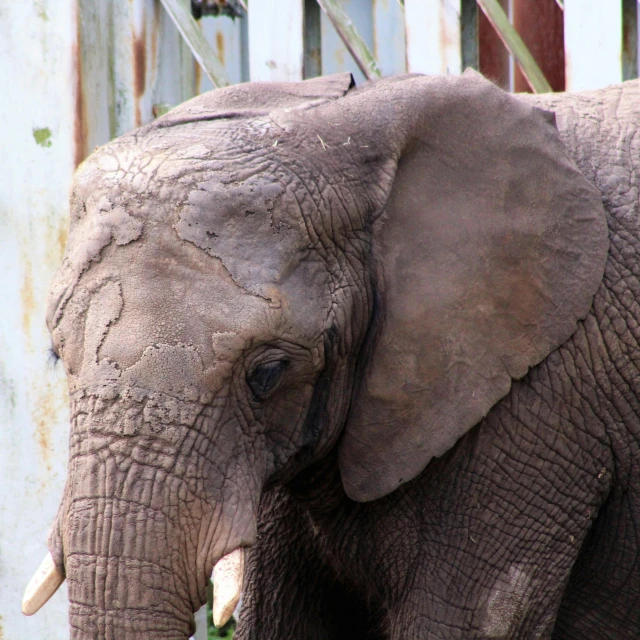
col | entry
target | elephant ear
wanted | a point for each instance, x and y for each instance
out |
(487, 252)
(255, 99)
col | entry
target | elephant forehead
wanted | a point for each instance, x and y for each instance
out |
(171, 292)
(218, 189)
(160, 291)
(252, 225)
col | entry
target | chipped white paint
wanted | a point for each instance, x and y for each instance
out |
(37, 158)
(433, 36)
(276, 36)
(507, 603)
(55, 110)
(593, 43)
(132, 57)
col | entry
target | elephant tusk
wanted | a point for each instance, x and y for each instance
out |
(45, 582)
(227, 585)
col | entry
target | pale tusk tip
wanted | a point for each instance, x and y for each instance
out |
(45, 582)
(227, 586)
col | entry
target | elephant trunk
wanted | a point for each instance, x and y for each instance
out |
(157, 495)
(139, 536)
(127, 571)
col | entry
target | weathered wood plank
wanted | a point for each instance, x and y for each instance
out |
(351, 38)
(276, 50)
(202, 52)
(433, 36)
(592, 43)
(515, 45)
(389, 37)
(540, 25)
(226, 37)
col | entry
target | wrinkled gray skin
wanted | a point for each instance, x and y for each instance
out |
(284, 313)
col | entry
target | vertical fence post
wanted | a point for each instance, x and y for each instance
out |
(225, 35)
(389, 37)
(312, 39)
(276, 50)
(469, 34)
(433, 36)
(592, 43)
(630, 41)
(131, 57)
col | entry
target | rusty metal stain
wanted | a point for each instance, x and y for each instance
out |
(155, 34)
(140, 61)
(220, 46)
(27, 296)
(61, 239)
(45, 414)
(139, 70)
(80, 121)
(59, 229)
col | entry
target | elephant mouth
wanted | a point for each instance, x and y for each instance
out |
(227, 580)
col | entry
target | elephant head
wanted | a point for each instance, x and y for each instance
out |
(273, 271)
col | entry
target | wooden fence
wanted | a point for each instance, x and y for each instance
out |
(523, 45)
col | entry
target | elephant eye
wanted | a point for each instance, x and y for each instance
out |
(265, 377)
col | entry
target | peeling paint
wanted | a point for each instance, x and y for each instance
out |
(80, 121)
(61, 239)
(139, 70)
(47, 406)
(42, 136)
(220, 46)
(7, 390)
(41, 12)
(27, 296)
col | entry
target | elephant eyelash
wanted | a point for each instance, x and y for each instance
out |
(52, 356)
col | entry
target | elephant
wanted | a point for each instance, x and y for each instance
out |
(368, 355)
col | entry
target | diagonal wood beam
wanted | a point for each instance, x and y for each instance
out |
(351, 38)
(500, 22)
(202, 51)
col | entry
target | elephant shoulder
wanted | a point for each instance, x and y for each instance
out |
(599, 128)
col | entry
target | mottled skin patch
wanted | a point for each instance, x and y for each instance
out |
(507, 603)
